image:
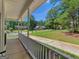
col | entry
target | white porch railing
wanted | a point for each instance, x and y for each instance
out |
(38, 50)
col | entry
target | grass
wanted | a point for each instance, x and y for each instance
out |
(56, 35)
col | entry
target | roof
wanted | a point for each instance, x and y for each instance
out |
(18, 8)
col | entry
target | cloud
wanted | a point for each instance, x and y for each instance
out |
(48, 1)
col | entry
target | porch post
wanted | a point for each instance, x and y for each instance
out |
(2, 27)
(28, 23)
(18, 26)
(21, 24)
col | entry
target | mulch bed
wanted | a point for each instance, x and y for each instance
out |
(76, 35)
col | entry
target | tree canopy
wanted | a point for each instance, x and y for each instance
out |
(65, 14)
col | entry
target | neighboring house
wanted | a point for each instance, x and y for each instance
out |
(40, 27)
(21, 27)
(43, 27)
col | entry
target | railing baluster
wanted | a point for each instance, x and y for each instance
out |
(40, 52)
(49, 54)
(59, 57)
(45, 53)
(34, 49)
(37, 52)
(53, 55)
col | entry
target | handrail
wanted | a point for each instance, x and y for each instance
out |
(41, 50)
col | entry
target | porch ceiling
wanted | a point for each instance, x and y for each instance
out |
(0, 6)
(17, 8)
(14, 8)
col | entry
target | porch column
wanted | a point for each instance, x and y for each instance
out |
(21, 24)
(28, 22)
(2, 26)
(18, 26)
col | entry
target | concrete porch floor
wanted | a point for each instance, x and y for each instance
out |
(15, 50)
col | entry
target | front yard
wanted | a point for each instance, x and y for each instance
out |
(56, 35)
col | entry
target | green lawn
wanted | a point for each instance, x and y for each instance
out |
(56, 35)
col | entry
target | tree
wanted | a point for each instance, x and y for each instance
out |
(32, 22)
(68, 13)
(53, 15)
(11, 24)
(49, 23)
(73, 9)
(40, 23)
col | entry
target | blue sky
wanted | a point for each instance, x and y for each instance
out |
(41, 12)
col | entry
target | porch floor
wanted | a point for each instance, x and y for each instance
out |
(15, 50)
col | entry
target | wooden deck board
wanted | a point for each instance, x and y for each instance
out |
(15, 50)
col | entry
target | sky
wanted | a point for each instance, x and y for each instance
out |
(41, 12)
